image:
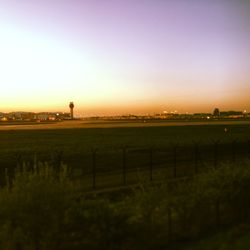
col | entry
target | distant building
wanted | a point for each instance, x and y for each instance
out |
(52, 116)
(232, 114)
(71, 106)
(21, 116)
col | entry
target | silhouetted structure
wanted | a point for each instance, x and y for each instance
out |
(216, 112)
(71, 106)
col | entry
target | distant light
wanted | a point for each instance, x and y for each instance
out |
(4, 119)
(208, 117)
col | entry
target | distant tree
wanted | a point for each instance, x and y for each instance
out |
(216, 112)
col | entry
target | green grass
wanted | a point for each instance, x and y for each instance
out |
(76, 142)
(84, 139)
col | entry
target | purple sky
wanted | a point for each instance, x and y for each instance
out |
(132, 56)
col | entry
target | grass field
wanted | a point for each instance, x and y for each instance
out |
(80, 139)
(87, 134)
(77, 139)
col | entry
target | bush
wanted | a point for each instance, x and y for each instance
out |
(32, 210)
(41, 210)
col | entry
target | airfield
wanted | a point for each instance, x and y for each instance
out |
(81, 124)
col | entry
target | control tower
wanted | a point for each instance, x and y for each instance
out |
(71, 106)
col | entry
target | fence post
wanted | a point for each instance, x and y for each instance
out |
(217, 211)
(94, 168)
(169, 225)
(124, 165)
(175, 161)
(248, 149)
(151, 163)
(196, 158)
(216, 154)
(7, 178)
(35, 164)
(19, 163)
(234, 151)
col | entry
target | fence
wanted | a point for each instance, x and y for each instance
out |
(124, 166)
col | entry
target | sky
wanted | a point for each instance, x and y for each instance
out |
(116, 57)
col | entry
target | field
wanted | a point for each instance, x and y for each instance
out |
(82, 136)
(45, 211)
(78, 137)
(74, 142)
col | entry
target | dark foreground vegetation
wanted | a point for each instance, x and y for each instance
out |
(43, 210)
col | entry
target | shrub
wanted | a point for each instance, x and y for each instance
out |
(41, 210)
(32, 210)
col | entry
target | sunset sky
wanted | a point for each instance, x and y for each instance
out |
(124, 56)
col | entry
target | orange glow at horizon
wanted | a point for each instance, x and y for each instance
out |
(190, 58)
